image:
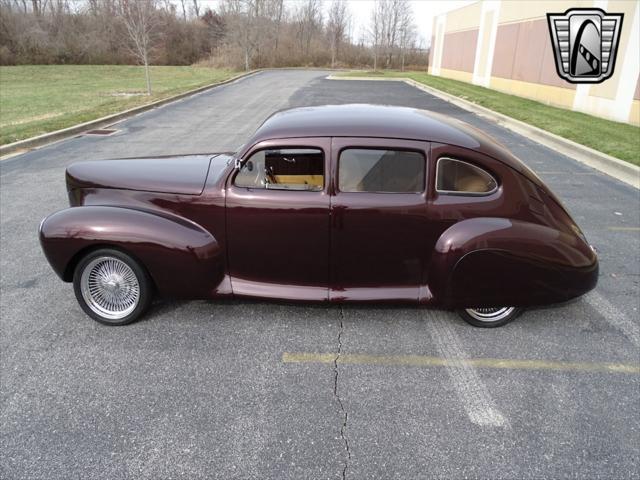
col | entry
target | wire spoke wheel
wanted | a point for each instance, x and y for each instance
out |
(489, 317)
(110, 287)
(490, 314)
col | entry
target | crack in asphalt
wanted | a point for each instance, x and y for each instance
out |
(343, 427)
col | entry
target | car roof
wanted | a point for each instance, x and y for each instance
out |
(382, 121)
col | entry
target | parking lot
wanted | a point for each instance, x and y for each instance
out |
(247, 389)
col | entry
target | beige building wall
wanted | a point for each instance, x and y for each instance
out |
(506, 45)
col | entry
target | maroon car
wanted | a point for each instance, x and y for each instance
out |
(334, 203)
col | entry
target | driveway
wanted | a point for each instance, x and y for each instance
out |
(244, 389)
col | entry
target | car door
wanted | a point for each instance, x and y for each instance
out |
(380, 240)
(277, 208)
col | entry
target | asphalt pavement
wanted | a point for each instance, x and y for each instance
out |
(247, 389)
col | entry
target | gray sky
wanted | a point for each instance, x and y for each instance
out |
(424, 11)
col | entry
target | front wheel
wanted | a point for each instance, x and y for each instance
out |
(111, 287)
(489, 317)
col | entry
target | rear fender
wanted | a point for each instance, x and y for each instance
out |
(501, 262)
(183, 259)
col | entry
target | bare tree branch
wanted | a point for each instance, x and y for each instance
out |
(184, 10)
(390, 30)
(336, 27)
(237, 33)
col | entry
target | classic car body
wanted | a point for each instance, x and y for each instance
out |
(333, 203)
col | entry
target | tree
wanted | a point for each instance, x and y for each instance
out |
(215, 28)
(407, 32)
(278, 14)
(243, 30)
(39, 6)
(336, 27)
(309, 21)
(376, 30)
(391, 29)
(140, 19)
(238, 33)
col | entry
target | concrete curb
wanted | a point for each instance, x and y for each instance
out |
(614, 167)
(27, 144)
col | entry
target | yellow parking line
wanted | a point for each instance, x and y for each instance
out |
(566, 173)
(426, 361)
(624, 229)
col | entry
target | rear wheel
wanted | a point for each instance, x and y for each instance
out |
(111, 287)
(489, 317)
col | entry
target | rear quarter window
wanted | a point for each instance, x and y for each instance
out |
(455, 176)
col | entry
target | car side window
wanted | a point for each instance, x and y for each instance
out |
(381, 171)
(457, 176)
(283, 169)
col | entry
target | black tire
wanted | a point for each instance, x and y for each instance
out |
(138, 299)
(485, 320)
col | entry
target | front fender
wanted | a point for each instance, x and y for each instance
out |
(500, 262)
(183, 259)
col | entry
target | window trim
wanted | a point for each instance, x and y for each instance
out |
(412, 150)
(463, 193)
(287, 147)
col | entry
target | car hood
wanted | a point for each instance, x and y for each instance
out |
(184, 174)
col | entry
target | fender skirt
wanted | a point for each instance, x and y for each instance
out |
(489, 262)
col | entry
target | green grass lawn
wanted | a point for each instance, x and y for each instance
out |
(619, 140)
(37, 99)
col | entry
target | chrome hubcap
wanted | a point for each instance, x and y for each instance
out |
(490, 314)
(110, 287)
